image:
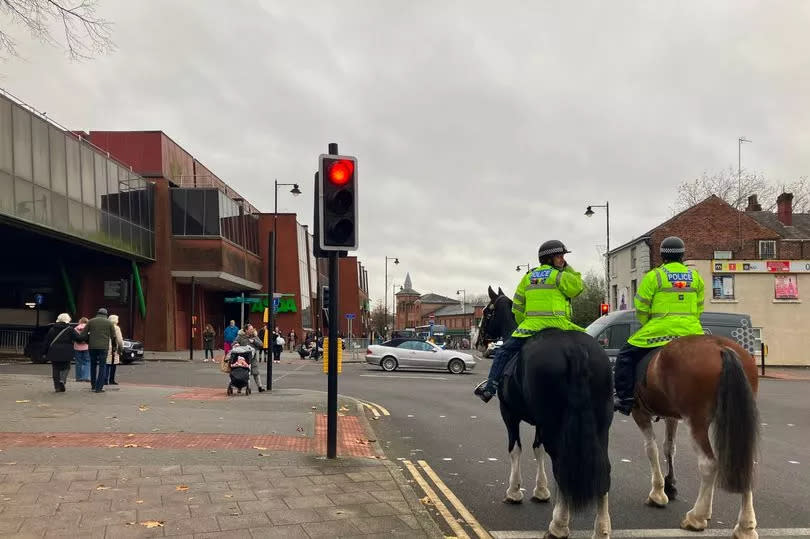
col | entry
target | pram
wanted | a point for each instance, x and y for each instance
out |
(239, 359)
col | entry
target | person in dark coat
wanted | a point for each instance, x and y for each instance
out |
(100, 333)
(59, 350)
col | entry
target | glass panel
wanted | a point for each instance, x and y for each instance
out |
(211, 226)
(6, 193)
(195, 206)
(22, 143)
(101, 178)
(24, 199)
(126, 205)
(135, 207)
(110, 201)
(42, 205)
(74, 217)
(59, 210)
(126, 235)
(73, 176)
(136, 239)
(42, 154)
(5, 136)
(88, 187)
(178, 212)
(90, 223)
(58, 174)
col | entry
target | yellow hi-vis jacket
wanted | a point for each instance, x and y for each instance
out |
(668, 305)
(542, 300)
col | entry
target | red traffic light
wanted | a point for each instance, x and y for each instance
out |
(604, 309)
(340, 172)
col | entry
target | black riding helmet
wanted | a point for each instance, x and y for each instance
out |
(672, 249)
(549, 249)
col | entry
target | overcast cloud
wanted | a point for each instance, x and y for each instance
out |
(481, 128)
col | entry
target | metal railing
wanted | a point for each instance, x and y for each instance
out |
(14, 340)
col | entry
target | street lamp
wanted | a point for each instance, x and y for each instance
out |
(589, 213)
(272, 284)
(464, 300)
(739, 186)
(396, 261)
(527, 266)
(394, 303)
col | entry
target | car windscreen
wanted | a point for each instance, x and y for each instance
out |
(596, 327)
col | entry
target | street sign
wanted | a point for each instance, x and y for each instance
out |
(239, 299)
(350, 316)
(39, 299)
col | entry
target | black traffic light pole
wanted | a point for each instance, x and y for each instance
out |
(332, 381)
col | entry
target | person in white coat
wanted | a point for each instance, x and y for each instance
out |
(115, 350)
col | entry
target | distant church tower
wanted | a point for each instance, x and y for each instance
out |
(407, 311)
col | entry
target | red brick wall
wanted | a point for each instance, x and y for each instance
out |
(141, 150)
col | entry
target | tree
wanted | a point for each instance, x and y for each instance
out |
(586, 305)
(478, 299)
(724, 184)
(379, 319)
(84, 34)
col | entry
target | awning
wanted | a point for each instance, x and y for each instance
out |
(216, 279)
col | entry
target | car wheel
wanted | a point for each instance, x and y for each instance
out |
(456, 366)
(388, 363)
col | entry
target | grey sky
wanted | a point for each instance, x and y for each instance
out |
(481, 128)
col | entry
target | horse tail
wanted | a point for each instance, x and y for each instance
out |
(579, 452)
(736, 426)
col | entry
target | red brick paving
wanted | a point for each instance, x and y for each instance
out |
(352, 440)
(201, 394)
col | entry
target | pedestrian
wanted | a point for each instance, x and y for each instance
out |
(229, 335)
(262, 351)
(248, 337)
(277, 348)
(115, 351)
(100, 333)
(292, 340)
(59, 350)
(208, 341)
(80, 354)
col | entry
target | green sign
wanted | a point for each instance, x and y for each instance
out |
(239, 299)
(286, 304)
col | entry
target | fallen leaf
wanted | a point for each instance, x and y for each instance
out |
(130, 445)
(130, 523)
(259, 448)
(152, 523)
(171, 402)
(343, 409)
(229, 495)
(102, 487)
(143, 407)
(147, 447)
(112, 445)
(181, 488)
(130, 435)
(426, 501)
(155, 430)
(139, 502)
(24, 400)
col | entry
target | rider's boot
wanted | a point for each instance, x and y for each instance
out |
(486, 390)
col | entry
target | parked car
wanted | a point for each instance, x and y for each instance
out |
(613, 330)
(417, 354)
(35, 348)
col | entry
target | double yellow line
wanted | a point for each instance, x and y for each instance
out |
(375, 409)
(465, 514)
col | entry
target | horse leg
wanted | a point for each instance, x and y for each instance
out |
(601, 526)
(657, 496)
(541, 493)
(698, 517)
(558, 529)
(746, 527)
(513, 493)
(669, 453)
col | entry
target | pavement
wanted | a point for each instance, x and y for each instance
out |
(153, 460)
(183, 355)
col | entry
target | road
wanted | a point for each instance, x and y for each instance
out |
(435, 418)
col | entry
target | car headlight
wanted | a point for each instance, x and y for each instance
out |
(127, 344)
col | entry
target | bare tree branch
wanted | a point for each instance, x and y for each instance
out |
(84, 34)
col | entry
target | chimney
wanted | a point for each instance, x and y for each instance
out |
(784, 208)
(753, 205)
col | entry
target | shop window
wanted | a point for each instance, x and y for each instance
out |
(22, 143)
(632, 258)
(767, 249)
(722, 287)
(786, 287)
(633, 290)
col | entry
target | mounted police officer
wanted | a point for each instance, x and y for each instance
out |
(542, 300)
(668, 305)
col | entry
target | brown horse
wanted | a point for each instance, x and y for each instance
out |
(703, 380)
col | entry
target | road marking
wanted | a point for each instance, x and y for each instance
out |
(380, 407)
(763, 532)
(437, 502)
(289, 373)
(453, 499)
(399, 377)
(373, 409)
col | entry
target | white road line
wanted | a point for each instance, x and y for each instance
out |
(400, 377)
(453, 499)
(289, 373)
(763, 532)
(437, 502)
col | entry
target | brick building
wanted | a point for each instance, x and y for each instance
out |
(415, 309)
(753, 261)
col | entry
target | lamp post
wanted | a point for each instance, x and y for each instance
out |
(464, 298)
(739, 188)
(394, 304)
(589, 213)
(272, 282)
(527, 266)
(396, 261)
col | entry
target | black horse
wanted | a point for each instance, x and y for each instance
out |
(563, 385)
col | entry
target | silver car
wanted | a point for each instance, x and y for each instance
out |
(417, 354)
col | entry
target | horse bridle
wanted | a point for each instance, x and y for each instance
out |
(488, 312)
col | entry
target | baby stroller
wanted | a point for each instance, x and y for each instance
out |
(239, 359)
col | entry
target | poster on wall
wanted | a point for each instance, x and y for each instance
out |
(722, 287)
(786, 287)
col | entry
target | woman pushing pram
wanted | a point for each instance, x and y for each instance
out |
(243, 358)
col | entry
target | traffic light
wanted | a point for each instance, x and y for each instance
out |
(604, 308)
(337, 205)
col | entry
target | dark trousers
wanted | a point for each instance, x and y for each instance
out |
(625, 371)
(510, 347)
(277, 348)
(209, 350)
(111, 373)
(98, 368)
(60, 374)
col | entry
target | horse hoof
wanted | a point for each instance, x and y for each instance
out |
(652, 503)
(510, 501)
(691, 526)
(537, 499)
(742, 533)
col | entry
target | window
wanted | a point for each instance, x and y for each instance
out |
(767, 249)
(615, 296)
(5, 136)
(633, 289)
(88, 180)
(722, 287)
(22, 143)
(73, 169)
(57, 149)
(42, 153)
(614, 337)
(632, 258)
(786, 287)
